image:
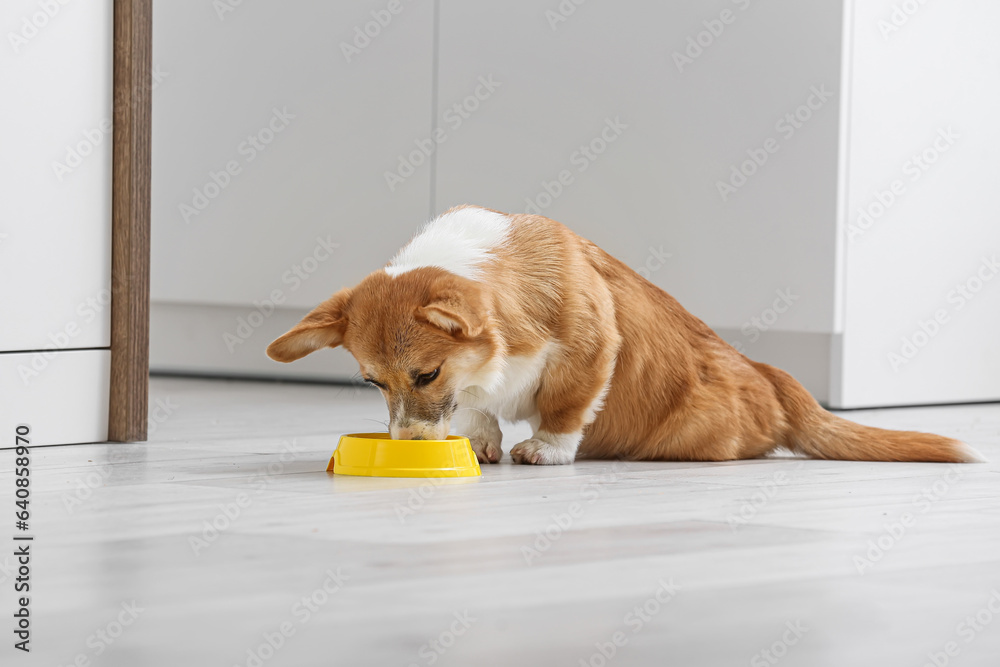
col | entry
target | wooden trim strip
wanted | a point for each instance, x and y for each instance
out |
(130, 213)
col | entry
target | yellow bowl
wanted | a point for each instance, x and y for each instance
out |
(377, 455)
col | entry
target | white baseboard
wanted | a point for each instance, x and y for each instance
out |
(805, 355)
(202, 340)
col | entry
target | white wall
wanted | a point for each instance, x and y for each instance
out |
(655, 185)
(300, 216)
(325, 174)
(320, 176)
(507, 98)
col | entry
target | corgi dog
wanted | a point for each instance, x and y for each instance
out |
(486, 316)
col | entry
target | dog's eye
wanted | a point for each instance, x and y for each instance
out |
(374, 383)
(426, 378)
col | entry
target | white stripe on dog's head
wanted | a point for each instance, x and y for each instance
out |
(459, 241)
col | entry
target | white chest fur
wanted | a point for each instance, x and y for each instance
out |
(509, 393)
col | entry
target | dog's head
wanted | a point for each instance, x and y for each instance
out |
(420, 337)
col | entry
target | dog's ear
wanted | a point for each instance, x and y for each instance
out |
(323, 327)
(456, 305)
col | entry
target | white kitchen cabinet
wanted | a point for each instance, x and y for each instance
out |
(55, 176)
(920, 302)
(55, 219)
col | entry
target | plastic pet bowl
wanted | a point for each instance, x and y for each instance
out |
(377, 455)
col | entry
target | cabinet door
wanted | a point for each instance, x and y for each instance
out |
(55, 175)
(274, 125)
(921, 220)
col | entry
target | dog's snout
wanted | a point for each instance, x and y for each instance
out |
(419, 431)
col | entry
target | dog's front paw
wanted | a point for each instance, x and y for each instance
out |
(539, 452)
(487, 449)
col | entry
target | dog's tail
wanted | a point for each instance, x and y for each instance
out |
(813, 431)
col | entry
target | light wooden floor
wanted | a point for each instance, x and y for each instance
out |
(526, 566)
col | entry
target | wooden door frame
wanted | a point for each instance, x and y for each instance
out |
(130, 216)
